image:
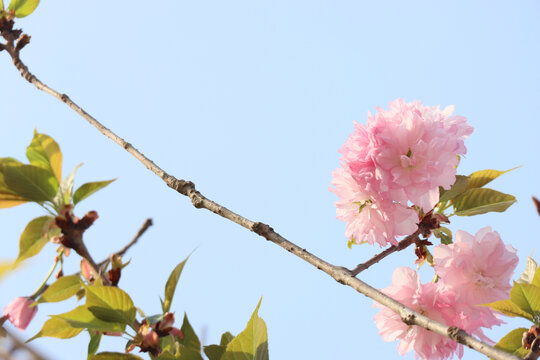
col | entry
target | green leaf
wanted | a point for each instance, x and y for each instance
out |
(65, 190)
(527, 297)
(114, 356)
(93, 344)
(31, 182)
(85, 190)
(58, 328)
(508, 308)
(459, 186)
(170, 287)
(62, 289)
(480, 178)
(191, 341)
(169, 347)
(5, 267)
(214, 352)
(511, 342)
(7, 197)
(44, 152)
(226, 338)
(81, 317)
(34, 237)
(23, 7)
(528, 274)
(1, 5)
(109, 303)
(480, 201)
(536, 278)
(8, 200)
(250, 344)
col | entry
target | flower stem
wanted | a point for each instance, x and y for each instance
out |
(44, 283)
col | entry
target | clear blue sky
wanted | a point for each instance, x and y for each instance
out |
(251, 100)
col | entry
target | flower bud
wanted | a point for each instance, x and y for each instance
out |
(527, 340)
(19, 312)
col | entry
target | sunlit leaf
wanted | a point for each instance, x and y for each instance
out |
(85, 190)
(58, 328)
(23, 7)
(191, 342)
(8, 200)
(459, 186)
(93, 344)
(114, 356)
(511, 342)
(508, 308)
(527, 297)
(480, 178)
(81, 317)
(44, 152)
(65, 190)
(110, 304)
(250, 344)
(62, 289)
(5, 267)
(31, 182)
(34, 237)
(170, 287)
(480, 201)
(527, 275)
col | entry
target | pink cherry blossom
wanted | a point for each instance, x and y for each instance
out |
(19, 312)
(369, 218)
(478, 268)
(436, 302)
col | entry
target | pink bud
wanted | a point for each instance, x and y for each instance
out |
(19, 312)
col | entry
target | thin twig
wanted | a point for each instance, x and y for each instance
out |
(340, 274)
(19, 345)
(122, 251)
(403, 244)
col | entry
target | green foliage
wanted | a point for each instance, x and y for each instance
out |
(511, 342)
(93, 344)
(88, 189)
(34, 237)
(527, 276)
(65, 190)
(44, 152)
(250, 344)
(58, 328)
(480, 178)
(170, 287)
(114, 356)
(110, 304)
(62, 289)
(82, 318)
(509, 308)
(214, 352)
(527, 297)
(23, 7)
(459, 186)
(477, 201)
(191, 348)
(31, 182)
(5, 267)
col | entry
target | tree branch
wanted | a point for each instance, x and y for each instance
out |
(340, 274)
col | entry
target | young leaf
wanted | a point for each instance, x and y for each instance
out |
(23, 7)
(34, 237)
(62, 289)
(82, 318)
(529, 273)
(214, 352)
(44, 152)
(111, 304)
(170, 287)
(527, 297)
(7, 197)
(480, 178)
(511, 342)
(114, 356)
(85, 190)
(226, 338)
(250, 344)
(536, 278)
(65, 190)
(480, 201)
(508, 308)
(8, 200)
(459, 186)
(6, 267)
(31, 182)
(58, 328)
(93, 344)
(191, 341)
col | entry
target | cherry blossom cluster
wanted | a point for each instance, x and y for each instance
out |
(400, 157)
(474, 270)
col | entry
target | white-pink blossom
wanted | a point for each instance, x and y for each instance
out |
(478, 268)
(369, 218)
(20, 312)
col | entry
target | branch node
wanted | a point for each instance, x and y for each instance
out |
(457, 334)
(263, 230)
(409, 319)
(64, 98)
(196, 199)
(126, 145)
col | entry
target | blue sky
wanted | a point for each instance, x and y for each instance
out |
(251, 100)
